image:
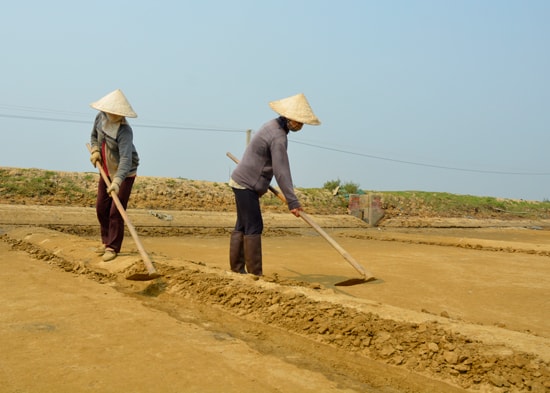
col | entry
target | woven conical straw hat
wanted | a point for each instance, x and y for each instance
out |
(295, 108)
(116, 103)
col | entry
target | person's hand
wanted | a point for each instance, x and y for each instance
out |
(95, 157)
(297, 211)
(115, 186)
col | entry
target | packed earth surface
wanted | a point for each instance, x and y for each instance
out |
(455, 303)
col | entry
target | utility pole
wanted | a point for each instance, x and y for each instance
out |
(248, 133)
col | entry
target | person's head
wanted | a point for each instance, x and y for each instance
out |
(296, 110)
(294, 125)
(114, 104)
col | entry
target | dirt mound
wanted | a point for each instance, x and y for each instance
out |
(427, 348)
(41, 187)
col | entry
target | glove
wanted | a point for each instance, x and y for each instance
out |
(95, 157)
(115, 186)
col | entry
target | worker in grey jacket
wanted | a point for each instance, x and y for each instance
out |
(113, 147)
(265, 157)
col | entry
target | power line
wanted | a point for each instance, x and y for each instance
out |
(40, 110)
(44, 118)
(187, 128)
(423, 164)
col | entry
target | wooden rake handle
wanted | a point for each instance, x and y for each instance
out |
(366, 274)
(146, 260)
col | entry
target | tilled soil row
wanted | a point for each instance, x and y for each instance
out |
(427, 350)
(474, 244)
(92, 230)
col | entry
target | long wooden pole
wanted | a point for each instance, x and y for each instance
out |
(365, 273)
(146, 260)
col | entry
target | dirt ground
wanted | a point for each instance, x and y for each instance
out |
(452, 309)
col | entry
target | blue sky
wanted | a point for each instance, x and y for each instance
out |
(443, 96)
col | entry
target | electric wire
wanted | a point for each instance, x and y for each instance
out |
(59, 120)
(423, 164)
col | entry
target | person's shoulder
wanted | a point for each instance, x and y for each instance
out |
(125, 126)
(125, 132)
(272, 126)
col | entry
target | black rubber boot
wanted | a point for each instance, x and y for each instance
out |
(253, 254)
(236, 252)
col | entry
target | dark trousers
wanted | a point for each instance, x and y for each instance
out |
(245, 248)
(110, 219)
(249, 215)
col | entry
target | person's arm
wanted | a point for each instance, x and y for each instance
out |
(125, 141)
(95, 154)
(281, 171)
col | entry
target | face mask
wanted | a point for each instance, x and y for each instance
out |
(114, 118)
(110, 124)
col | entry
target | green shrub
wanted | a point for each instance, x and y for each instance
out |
(350, 188)
(331, 184)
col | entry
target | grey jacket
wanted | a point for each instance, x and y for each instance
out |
(265, 156)
(120, 157)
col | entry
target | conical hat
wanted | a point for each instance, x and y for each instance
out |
(115, 103)
(295, 108)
